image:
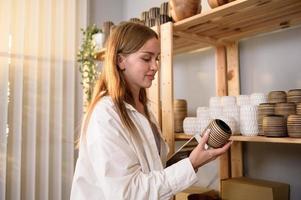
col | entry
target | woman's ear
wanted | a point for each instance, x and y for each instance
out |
(120, 62)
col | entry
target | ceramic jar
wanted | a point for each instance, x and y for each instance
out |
(181, 9)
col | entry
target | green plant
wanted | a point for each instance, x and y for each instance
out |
(86, 58)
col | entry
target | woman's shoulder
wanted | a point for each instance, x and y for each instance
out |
(104, 107)
(105, 101)
(103, 118)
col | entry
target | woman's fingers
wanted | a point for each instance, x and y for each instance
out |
(204, 138)
(200, 156)
(219, 151)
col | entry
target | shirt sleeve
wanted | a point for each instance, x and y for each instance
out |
(119, 171)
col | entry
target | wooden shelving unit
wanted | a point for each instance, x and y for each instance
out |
(221, 28)
(240, 138)
(286, 140)
(182, 136)
(234, 21)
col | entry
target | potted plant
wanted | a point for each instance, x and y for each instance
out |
(86, 58)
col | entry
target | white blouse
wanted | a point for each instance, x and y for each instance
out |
(114, 165)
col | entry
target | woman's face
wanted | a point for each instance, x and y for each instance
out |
(140, 67)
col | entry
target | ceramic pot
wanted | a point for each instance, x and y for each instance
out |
(216, 3)
(219, 133)
(181, 9)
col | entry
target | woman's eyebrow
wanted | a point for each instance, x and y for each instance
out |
(149, 52)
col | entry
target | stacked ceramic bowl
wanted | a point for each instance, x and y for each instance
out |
(136, 20)
(264, 109)
(215, 107)
(243, 100)
(192, 126)
(231, 112)
(215, 101)
(204, 116)
(248, 120)
(277, 97)
(164, 13)
(188, 125)
(144, 16)
(154, 12)
(219, 134)
(156, 15)
(202, 113)
(294, 96)
(231, 122)
(274, 126)
(294, 126)
(204, 124)
(258, 98)
(180, 112)
(298, 109)
(228, 101)
(285, 109)
(164, 9)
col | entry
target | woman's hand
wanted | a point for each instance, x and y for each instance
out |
(200, 156)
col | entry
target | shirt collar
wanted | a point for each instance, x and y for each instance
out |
(129, 106)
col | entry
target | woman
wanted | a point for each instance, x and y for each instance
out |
(122, 153)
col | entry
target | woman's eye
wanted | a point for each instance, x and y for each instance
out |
(146, 59)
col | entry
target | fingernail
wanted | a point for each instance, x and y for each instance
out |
(207, 132)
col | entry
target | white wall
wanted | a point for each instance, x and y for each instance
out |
(105, 10)
(133, 8)
(194, 79)
(270, 62)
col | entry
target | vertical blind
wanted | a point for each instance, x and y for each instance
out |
(39, 104)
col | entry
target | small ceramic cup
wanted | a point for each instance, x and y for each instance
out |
(219, 133)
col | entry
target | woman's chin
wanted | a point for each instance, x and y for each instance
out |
(148, 85)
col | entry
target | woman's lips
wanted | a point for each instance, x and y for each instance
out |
(150, 77)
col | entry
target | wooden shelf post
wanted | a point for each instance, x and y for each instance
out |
(221, 90)
(167, 84)
(236, 162)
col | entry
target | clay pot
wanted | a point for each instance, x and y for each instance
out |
(216, 3)
(181, 9)
(219, 133)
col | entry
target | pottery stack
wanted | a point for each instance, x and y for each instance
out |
(180, 112)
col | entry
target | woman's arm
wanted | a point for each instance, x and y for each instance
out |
(119, 171)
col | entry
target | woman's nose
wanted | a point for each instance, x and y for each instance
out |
(155, 65)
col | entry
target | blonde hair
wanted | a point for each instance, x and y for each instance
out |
(125, 39)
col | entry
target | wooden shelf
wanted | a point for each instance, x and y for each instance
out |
(234, 21)
(101, 54)
(182, 136)
(266, 139)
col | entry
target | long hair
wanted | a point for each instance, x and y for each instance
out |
(125, 39)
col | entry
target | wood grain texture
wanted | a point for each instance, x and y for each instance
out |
(167, 84)
(221, 70)
(236, 20)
